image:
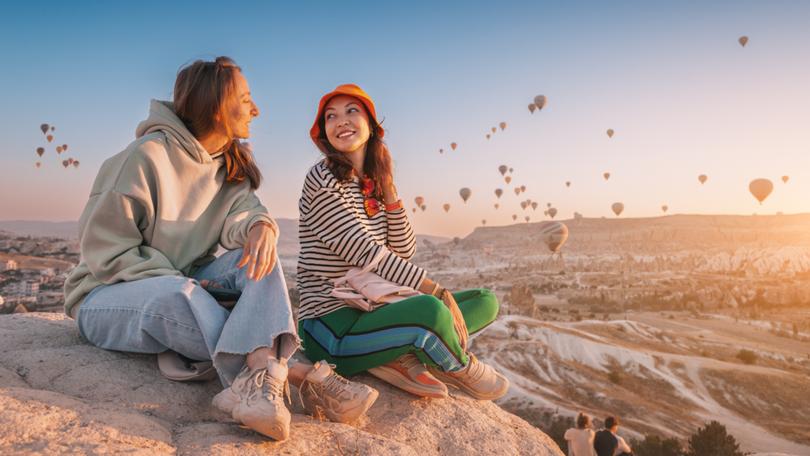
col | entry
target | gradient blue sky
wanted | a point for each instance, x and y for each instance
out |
(669, 77)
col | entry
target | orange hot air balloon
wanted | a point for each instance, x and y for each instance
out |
(532, 107)
(446, 207)
(497, 205)
(664, 208)
(507, 179)
(40, 151)
(610, 132)
(554, 234)
(552, 212)
(567, 183)
(38, 164)
(534, 205)
(743, 40)
(44, 128)
(65, 163)
(514, 217)
(785, 179)
(702, 178)
(453, 146)
(502, 125)
(414, 210)
(423, 207)
(517, 191)
(540, 101)
(498, 192)
(419, 200)
(494, 130)
(760, 188)
(58, 149)
(465, 193)
(617, 208)
(606, 176)
(49, 138)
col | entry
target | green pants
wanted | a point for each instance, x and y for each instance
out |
(356, 341)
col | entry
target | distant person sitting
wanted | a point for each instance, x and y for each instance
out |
(608, 443)
(580, 439)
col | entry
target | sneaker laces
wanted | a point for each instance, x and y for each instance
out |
(275, 388)
(475, 369)
(333, 382)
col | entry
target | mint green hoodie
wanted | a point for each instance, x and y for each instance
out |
(159, 208)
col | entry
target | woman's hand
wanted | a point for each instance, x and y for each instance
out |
(259, 251)
(458, 318)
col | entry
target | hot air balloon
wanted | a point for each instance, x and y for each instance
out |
(514, 217)
(65, 163)
(53, 128)
(453, 146)
(64, 147)
(497, 205)
(522, 188)
(419, 200)
(743, 40)
(498, 192)
(702, 178)
(548, 204)
(70, 161)
(617, 208)
(484, 222)
(524, 205)
(552, 212)
(49, 138)
(465, 193)
(446, 207)
(610, 132)
(517, 191)
(414, 210)
(487, 135)
(510, 170)
(75, 163)
(423, 207)
(567, 183)
(760, 188)
(58, 149)
(441, 151)
(554, 235)
(494, 129)
(527, 218)
(534, 205)
(38, 164)
(44, 128)
(664, 208)
(532, 107)
(502, 169)
(785, 179)
(606, 176)
(540, 101)
(507, 179)
(502, 125)
(40, 151)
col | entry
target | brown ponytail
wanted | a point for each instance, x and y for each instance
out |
(201, 92)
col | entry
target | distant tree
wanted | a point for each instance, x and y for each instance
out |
(654, 445)
(713, 440)
(747, 356)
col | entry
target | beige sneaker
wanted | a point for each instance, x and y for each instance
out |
(479, 380)
(324, 392)
(409, 374)
(256, 399)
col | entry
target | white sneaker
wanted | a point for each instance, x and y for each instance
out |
(324, 392)
(256, 399)
(477, 379)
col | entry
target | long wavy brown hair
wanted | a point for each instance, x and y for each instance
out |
(204, 89)
(377, 165)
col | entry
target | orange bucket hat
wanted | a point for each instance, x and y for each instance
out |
(352, 90)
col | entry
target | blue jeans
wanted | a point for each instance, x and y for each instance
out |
(176, 313)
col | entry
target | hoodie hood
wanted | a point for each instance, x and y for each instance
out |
(163, 119)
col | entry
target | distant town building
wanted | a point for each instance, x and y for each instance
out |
(24, 288)
(9, 265)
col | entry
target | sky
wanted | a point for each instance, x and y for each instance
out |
(683, 97)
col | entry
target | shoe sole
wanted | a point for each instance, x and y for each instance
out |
(393, 377)
(450, 381)
(274, 431)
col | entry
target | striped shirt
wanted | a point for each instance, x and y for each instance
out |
(336, 235)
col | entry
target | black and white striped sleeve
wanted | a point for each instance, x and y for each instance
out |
(401, 239)
(332, 221)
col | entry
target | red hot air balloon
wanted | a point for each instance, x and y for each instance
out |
(453, 146)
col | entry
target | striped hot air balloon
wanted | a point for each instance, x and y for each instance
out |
(554, 235)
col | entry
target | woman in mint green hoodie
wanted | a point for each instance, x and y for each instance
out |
(157, 212)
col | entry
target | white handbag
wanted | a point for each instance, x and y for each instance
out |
(366, 290)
